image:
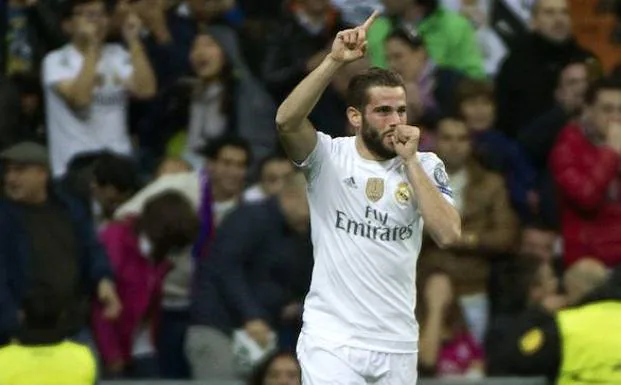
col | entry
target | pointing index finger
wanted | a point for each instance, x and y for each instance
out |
(367, 24)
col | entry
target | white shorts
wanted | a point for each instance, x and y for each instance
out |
(329, 363)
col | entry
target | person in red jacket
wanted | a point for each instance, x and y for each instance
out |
(585, 163)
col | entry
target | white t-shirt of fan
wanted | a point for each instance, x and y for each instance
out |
(367, 234)
(102, 125)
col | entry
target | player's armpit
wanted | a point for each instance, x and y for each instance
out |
(298, 142)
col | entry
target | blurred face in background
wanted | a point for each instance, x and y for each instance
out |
(207, 57)
(274, 174)
(539, 243)
(25, 183)
(551, 19)
(573, 84)
(479, 113)
(90, 15)
(315, 7)
(453, 144)
(228, 171)
(396, 7)
(605, 109)
(407, 60)
(283, 371)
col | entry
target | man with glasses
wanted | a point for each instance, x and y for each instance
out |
(87, 83)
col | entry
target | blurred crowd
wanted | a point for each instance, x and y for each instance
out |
(149, 213)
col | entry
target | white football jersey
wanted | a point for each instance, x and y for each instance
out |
(102, 125)
(367, 234)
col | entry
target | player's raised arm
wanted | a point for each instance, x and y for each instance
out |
(296, 132)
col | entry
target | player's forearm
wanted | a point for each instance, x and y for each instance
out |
(441, 218)
(299, 104)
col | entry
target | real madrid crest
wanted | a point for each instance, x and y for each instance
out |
(375, 189)
(440, 176)
(402, 195)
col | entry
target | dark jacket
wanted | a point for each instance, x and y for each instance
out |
(528, 77)
(15, 248)
(256, 265)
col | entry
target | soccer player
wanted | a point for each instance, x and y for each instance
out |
(368, 196)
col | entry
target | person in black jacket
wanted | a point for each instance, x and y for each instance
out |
(526, 81)
(254, 278)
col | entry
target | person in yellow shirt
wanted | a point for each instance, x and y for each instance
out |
(38, 356)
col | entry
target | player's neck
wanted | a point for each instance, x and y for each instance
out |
(365, 153)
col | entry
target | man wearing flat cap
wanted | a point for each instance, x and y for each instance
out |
(47, 240)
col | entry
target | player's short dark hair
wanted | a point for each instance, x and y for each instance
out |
(609, 83)
(213, 149)
(359, 85)
(118, 171)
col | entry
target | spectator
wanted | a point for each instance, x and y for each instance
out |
(447, 349)
(40, 353)
(429, 87)
(21, 105)
(223, 100)
(221, 179)
(538, 137)
(529, 292)
(296, 47)
(526, 81)
(273, 172)
(138, 250)
(476, 105)
(278, 369)
(585, 166)
(449, 37)
(489, 226)
(41, 233)
(251, 276)
(115, 180)
(29, 29)
(576, 344)
(87, 83)
(214, 192)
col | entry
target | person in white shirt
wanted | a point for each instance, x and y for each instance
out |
(368, 196)
(87, 83)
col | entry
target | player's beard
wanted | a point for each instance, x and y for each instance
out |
(375, 141)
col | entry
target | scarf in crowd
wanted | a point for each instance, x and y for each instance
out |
(206, 217)
(427, 86)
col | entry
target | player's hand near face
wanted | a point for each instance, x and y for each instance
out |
(351, 44)
(406, 140)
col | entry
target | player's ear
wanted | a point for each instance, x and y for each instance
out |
(355, 117)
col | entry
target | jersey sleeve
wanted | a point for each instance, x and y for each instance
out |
(314, 162)
(57, 68)
(434, 167)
